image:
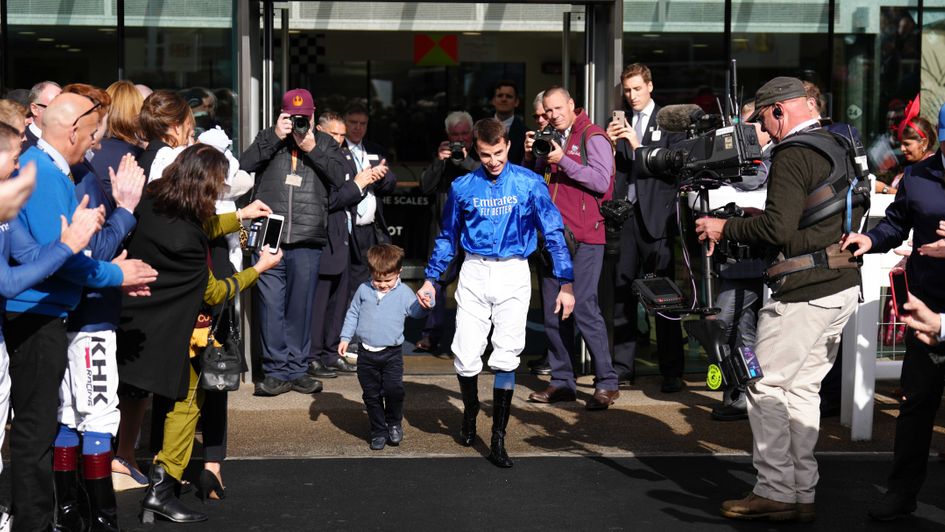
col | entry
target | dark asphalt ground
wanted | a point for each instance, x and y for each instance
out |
(540, 493)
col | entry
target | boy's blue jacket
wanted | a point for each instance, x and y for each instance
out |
(53, 196)
(500, 218)
(380, 322)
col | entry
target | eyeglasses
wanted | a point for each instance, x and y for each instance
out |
(87, 113)
(536, 116)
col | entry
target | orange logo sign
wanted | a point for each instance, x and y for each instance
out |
(297, 101)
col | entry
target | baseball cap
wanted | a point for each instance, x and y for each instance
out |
(776, 90)
(298, 102)
(941, 122)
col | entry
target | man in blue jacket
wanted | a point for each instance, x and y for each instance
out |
(36, 335)
(495, 214)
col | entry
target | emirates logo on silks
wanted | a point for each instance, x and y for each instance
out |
(297, 101)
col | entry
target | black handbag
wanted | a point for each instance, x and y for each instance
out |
(221, 366)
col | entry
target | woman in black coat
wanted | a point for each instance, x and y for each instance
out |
(175, 224)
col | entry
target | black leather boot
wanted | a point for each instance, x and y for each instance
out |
(501, 405)
(66, 479)
(104, 510)
(470, 388)
(159, 499)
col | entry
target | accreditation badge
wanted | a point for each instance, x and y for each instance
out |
(293, 180)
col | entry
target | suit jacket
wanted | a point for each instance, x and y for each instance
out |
(517, 140)
(31, 140)
(656, 196)
(343, 198)
(384, 187)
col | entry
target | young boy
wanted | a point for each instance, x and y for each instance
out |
(376, 315)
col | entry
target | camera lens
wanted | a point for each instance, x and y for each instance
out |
(457, 155)
(300, 124)
(541, 148)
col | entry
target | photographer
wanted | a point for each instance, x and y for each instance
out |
(292, 178)
(812, 304)
(454, 158)
(919, 206)
(579, 170)
(742, 286)
(647, 243)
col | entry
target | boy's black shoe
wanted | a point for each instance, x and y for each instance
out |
(271, 387)
(306, 384)
(341, 366)
(892, 506)
(395, 434)
(378, 443)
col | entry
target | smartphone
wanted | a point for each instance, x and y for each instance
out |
(620, 117)
(272, 234)
(899, 288)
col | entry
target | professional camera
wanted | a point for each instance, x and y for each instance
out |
(542, 145)
(300, 124)
(457, 152)
(615, 213)
(712, 154)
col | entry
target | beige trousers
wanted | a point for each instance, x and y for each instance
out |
(796, 346)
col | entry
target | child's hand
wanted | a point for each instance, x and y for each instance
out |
(342, 348)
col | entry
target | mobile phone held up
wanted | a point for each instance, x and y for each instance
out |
(266, 232)
(899, 287)
(620, 117)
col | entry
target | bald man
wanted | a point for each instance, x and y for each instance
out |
(41, 95)
(36, 339)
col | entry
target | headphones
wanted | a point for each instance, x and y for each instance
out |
(777, 113)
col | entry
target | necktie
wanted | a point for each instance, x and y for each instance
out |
(358, 153)
(638, 127)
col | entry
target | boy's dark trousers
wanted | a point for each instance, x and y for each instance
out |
(381, 375)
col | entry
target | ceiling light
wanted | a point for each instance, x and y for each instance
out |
(657, 51)
(295, 32)
(63, 45)
(106, 30)
(472, 33)
(26, 32)
(700, 45)
(46, 39)
(739, 39)
(74, 50)
(651, 35)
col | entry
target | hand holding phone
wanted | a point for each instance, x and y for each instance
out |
(899, 287)
(272, 232)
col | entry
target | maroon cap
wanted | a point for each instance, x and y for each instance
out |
(298, 102)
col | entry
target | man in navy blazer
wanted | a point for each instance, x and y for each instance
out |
(368, 227)
(41, 95)
(646, 241)
(331, 293)
(919, 207)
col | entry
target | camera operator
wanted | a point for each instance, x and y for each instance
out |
(454, 158)
(742, 286)
(579, 170)
(919, 206)
(647, 238)
(292, 177)
(799, 328)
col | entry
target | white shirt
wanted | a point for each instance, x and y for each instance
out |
(367, 208)
(507, 122)
(35, 129)
(57, 157)
(643, 115)
(803, 125)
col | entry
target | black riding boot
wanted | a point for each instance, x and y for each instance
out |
(501, 405)
(104, 510)
(66, 483)
(470, 388)
(160, 500)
